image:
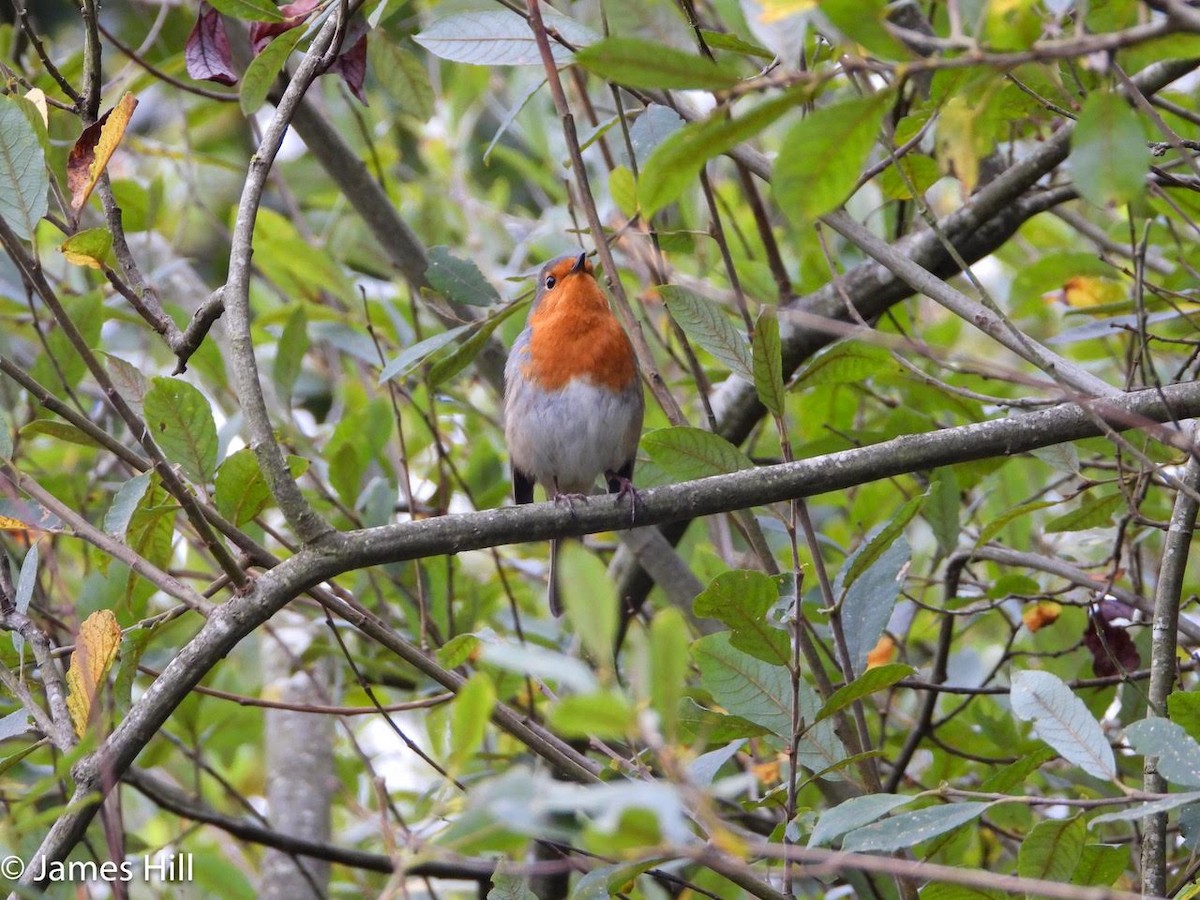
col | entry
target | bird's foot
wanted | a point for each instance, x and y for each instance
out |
(625, 488)
(570, 500)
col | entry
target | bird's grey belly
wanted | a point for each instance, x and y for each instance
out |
(566, 438)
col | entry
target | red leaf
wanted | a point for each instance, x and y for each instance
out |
(207, 50)
(293, 14)
(1111, 647)
(352, 65)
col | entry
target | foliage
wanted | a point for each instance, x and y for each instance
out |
(246, 366)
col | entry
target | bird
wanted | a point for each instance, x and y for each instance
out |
(573, 402)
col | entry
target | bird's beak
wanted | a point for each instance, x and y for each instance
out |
(579, 263)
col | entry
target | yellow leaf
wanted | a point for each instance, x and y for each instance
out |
(95, 148)
(1083, 291)
(37, 97)
(774, 10)
(1039, 615)
(883, 652)
(95, 649)
(958, 144)
(88, 248)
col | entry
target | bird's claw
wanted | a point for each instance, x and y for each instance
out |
(625, 488)
(570, 500)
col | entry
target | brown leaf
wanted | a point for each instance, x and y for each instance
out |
(352, 64)
(95, 148)
(95, 649)
(1111, 647)
(293, 14)
(207, 52)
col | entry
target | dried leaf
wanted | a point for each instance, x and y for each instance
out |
(95, 148)
(37, 97)
(95, 649)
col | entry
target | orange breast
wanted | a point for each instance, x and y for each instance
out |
(575, 335)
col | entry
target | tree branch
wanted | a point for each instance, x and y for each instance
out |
(235, 619)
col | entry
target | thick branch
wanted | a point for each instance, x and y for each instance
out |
(452, 534)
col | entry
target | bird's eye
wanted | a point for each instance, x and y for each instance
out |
(550, 282)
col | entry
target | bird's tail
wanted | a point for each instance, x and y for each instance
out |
(555, 603)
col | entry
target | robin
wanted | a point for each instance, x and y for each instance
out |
(573, 395)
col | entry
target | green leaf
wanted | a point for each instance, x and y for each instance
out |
(458, 650)
(1178, 753)
(865, 22)
(922, 172)
(877, 543)
(6, 437)
(1109, 158)
(644, 64)
(500, 38)
(133, 645)
(589, 600)
(1101, 864)
(469, 716)
(687, 453)
(289, 352)
(124, 504)
(1141, 810)
(1184, 710)
(623, 189)
(744, 685)
(674, 163)
(446, 367)
(767, 353)
(869, 682)
(1002, 781)
(822, 155)
(249, 10)
(867, 604)
(421, 351)
(606, 715)
(458, 280)
(668, 668)
(509, 886)
(91, 247)
(943, 891)
(741, 599)
(63, 431)
(1093, 514)
(24, 179)
(848, 362)
(996, 525)
(1052, 849)
(851, 814)
(722, 40)
(706, 323)
(908, 829)
(264, 68)
(180, 420)
(1062, 720)
(403, 77)
(240, 491)
(942, 509)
